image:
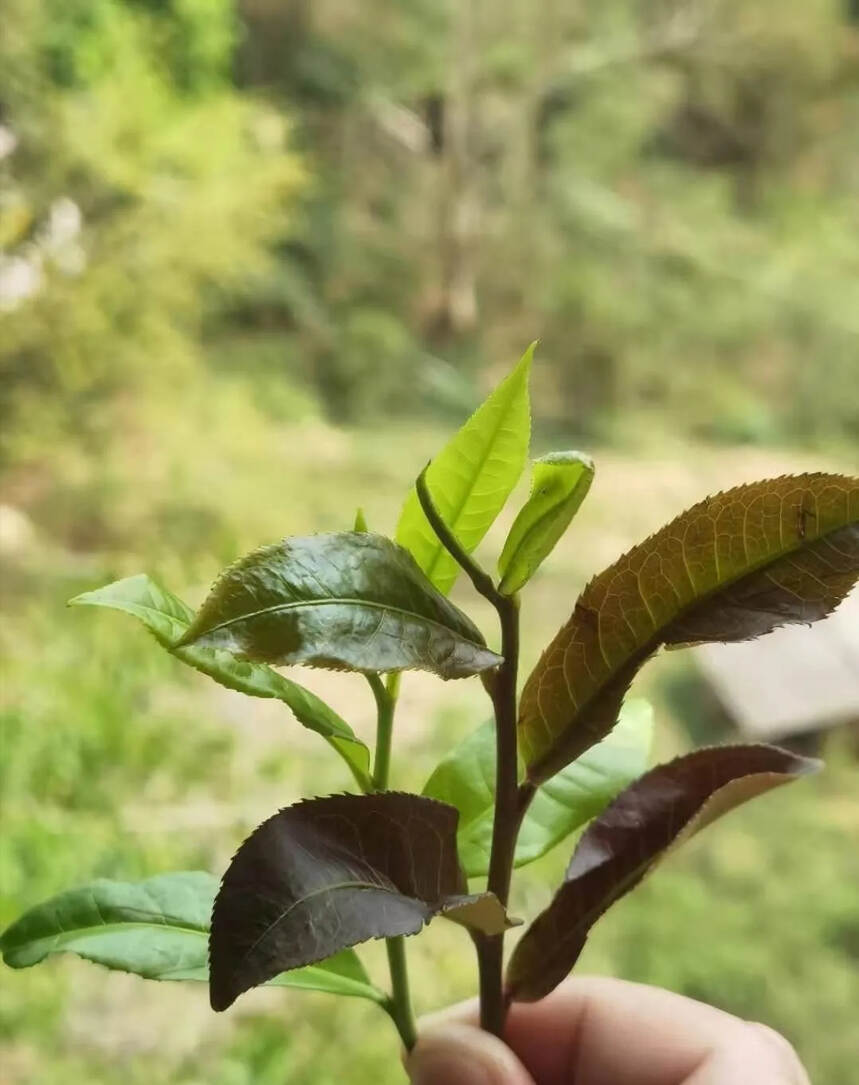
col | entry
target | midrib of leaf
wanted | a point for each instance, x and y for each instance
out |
(460, 508)
(337, 887)
(64, 937)
(336, 601)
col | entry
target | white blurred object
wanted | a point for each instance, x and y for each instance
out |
(798, 679)
(20, 278)
(8, 141)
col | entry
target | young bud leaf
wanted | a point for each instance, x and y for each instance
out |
(168, 619)
(664, 807)
(345, 601)
(326, 874)
(472, 477)
(733, 567)
(560, 483)
(157, 929)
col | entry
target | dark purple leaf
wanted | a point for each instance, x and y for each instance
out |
(328, 873)
(662, 808)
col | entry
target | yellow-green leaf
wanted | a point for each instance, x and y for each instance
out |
(560, 483)
(472, 477)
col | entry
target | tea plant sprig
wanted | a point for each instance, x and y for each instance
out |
(326, 874)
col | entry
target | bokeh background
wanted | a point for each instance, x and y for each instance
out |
(257, 257)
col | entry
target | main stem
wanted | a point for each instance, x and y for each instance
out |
(508, 812)
(399, 1005)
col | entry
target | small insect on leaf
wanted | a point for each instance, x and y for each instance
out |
(328, 873)
(345, 601)
(733, 567)
(472, 477)
(560, 484)
(666, 806)
(168, 618)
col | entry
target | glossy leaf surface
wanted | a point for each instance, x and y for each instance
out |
(157, 929)
(328, 873)
(665, 806)
(168, 619)
(465, 778)
(472, 477)
(735, 566)
(345, 601)
(559, 485)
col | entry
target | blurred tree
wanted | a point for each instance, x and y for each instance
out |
(139, 189)
(661, 193)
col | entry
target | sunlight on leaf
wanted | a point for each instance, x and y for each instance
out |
(559, 485)
(344, 601)
(472, 477)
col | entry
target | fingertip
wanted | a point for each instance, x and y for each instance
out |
(449, 1053)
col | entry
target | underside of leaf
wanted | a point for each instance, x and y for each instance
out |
(733, 567)
(157, 929)
(663, 808)
(328, 873)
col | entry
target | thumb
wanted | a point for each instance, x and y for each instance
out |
(454, 1054)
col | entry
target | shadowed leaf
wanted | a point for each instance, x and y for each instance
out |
(472, 477)
(345, 601)
(560, 484)
(465, 778)
(157, 929)
(732, 567)
(328, 873)
(664, 807)
(168, 619)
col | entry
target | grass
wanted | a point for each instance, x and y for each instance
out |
(118, 762)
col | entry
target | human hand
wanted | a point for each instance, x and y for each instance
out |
(595, 1031)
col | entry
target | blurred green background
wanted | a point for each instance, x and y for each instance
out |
(256, 259)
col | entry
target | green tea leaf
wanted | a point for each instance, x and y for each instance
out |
(168, 619)
(325, 874)
(560, 483)
(345, 601)
(666, 806)
(735, 566)
(465, 778)
(157, 929)
(472, 477)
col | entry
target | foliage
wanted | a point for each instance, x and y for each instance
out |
(134, 201)
(323, 875)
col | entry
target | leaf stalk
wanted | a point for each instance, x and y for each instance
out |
(399, 1005)
(510, 802)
